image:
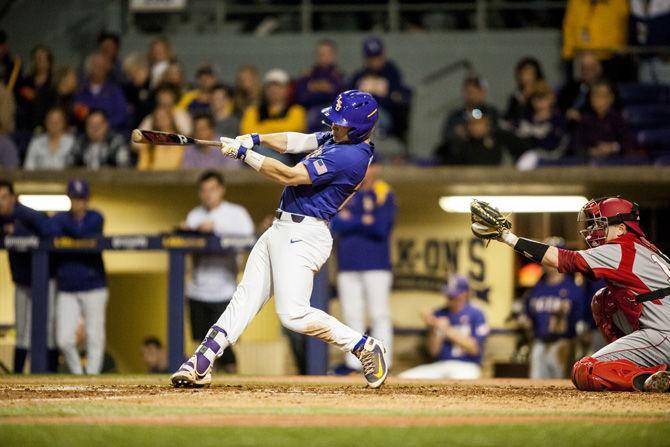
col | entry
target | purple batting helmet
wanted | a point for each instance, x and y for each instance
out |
(354, 109)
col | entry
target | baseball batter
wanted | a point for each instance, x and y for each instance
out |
(293, 249)
(630, 311)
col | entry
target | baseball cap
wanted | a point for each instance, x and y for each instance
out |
(373, 46)
(276, 75)
(78, 189)
(455, 285)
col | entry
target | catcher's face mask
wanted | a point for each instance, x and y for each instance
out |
(594, 224)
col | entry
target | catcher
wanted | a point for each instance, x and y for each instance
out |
(630, 312)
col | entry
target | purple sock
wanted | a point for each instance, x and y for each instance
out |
(202, 363)
(360, 343)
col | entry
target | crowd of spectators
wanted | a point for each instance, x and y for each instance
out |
(53, 116)
(599, 115)
(581, 122)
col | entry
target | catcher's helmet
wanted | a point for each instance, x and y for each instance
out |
(598, 214)
(354, 109)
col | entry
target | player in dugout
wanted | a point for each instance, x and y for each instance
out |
(82, 284)
(553, 312)
(22, 221)
(362, 230)
(630, 311)
(456, 336)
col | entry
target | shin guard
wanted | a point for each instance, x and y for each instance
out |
(589, 374)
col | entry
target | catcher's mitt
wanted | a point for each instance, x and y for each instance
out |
(487, 221)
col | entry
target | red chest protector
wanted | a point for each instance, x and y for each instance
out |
(606, 302)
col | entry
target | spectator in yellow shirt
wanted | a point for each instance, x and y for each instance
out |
(602, 27)
(275, 113)
(197, 100)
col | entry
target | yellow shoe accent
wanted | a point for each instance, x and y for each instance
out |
(380, 368)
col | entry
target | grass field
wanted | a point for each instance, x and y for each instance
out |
(322, 411)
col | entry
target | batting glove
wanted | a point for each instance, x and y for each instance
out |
(233, 148)
(249, 140)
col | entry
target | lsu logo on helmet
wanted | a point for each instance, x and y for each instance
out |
(338, 103)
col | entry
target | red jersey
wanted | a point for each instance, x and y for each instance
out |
(630, 263)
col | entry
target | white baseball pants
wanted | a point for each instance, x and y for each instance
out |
(71, 307)
(284, 260)
(24, 316)
(645, 347)
(367, 291)
(445, 369)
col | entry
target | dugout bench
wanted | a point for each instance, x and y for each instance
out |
(178, 247)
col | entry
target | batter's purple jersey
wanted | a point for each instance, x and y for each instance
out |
(336, 171)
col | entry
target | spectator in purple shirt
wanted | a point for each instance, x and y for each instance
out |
(318, 87)
(100, 92)
(197, 157)
(602, 131)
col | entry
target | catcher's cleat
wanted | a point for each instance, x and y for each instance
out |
(658, 382)
(188, 377)
(372, 356)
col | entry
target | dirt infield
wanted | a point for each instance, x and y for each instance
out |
(315, 402)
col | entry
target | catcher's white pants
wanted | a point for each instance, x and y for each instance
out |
(367, 291)
(24, 316)
(548, 360)
(646, 347)
(285, 259)
(70, 308)
(445, 369)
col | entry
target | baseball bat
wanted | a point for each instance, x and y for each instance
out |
(168, 139)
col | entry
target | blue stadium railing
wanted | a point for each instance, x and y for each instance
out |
(177, 246)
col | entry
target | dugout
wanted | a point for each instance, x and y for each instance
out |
(428, 244)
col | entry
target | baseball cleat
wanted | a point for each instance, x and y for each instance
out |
(188, 377)
(372, 356)
(658, 382)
